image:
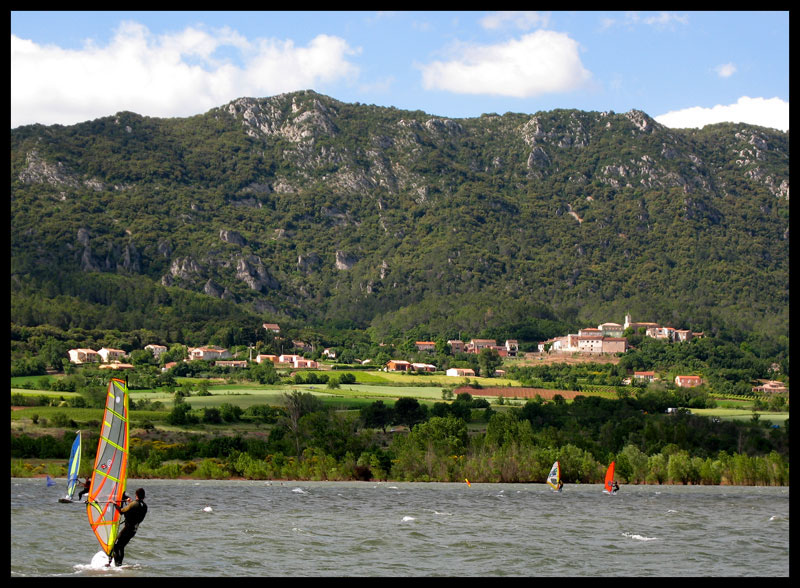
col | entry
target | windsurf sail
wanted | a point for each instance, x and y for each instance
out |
(74, 465)
(110, 467)
(50, 481)
(609, 478)
(554, 476)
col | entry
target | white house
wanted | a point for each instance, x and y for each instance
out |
(111, 354)
(512, 347)
(156, 350)
(460, 372)
(423, 367)
(301, 362)
(83, 356)
(208, 353)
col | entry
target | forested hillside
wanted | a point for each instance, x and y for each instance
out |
(308, 211)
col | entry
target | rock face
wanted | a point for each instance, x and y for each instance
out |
(292, 200)
(231, 237)
(252, 272)
(309, 262)
(345, 261)
(41, 171)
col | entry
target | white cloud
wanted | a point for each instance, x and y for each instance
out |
(165, 76)
(523, 20)
(765, 112)
(663, 19)
(538, 63)
(633, 19)
(725, 70)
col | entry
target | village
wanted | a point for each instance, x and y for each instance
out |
(606, 339)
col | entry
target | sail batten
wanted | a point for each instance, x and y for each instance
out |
(109, 475)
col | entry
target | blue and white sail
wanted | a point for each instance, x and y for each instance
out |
(73, 466)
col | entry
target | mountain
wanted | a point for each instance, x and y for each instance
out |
(302, 208)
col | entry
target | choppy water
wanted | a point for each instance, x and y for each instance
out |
(294, 529)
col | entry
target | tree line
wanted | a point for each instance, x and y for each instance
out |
(309, 441)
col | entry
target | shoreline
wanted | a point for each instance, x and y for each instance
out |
(282, 480)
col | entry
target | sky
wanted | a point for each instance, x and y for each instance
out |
(685, 69)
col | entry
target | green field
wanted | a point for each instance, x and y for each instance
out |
(739, 414)
(370, 386)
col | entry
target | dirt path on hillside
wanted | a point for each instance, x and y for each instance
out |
(568, 358)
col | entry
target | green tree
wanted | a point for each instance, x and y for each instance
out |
(506, 428)
(489, 360)
(230, 413)
(52, 352)
(181, 414)
(408, 411)
(298, 404)
(377, 415)
(264, 373)
(212, 415)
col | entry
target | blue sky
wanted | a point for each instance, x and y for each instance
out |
(685, 69)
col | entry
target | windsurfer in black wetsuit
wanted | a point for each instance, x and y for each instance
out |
(134, 512)
(560, 485)
(614, 487)
(85, 488)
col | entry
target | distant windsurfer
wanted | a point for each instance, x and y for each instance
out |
(560, 485)
(134, 511)
(614, 487)
(85, 486)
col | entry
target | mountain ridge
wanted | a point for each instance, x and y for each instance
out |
(301, 207)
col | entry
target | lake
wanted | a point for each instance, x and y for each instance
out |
(298, 529)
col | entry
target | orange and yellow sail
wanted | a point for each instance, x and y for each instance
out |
(110, 467)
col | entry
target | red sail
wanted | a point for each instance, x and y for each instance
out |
(609, 478)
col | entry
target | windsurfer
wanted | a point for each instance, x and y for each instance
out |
(614, 486)
(87, 484)
(134, 512)
(560, 485)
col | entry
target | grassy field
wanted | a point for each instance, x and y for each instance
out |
(370, 386)
(741, 414)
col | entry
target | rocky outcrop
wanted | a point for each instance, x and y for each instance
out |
(252, 272)
(345, 261)
(183, 271)
(40, 171)
(232, 237)
(309, 262)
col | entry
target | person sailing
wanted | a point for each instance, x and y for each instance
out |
(560, 485)
(614, 487)
(134, 511)
(85, 486)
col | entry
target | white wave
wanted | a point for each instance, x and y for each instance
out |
(299, 491)
(670, 510)
(639, 537)
(407, 518)
(99, 563)
(208, 509)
